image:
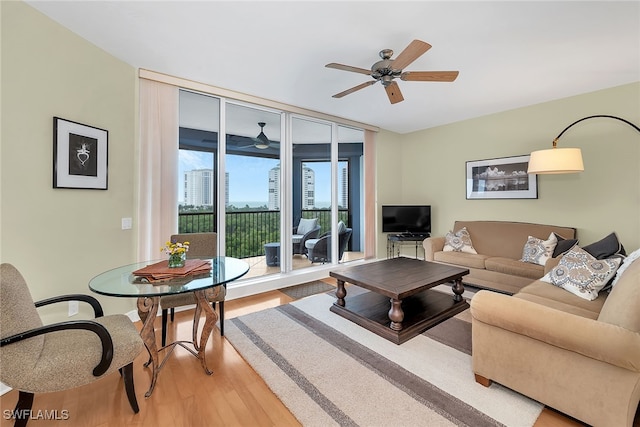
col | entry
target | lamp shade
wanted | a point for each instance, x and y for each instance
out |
(556, 160)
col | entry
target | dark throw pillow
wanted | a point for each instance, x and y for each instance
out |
(563, 245)
(606, 247)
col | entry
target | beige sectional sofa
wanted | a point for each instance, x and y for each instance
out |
(578, 356)
(499, 246)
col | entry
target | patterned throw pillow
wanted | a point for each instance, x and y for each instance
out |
(538, 251)
(581, 274)
(459, 242)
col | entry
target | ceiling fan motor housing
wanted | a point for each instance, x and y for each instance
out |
(383, 70)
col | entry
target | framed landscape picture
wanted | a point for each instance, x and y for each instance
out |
(79, 155)
(501, 178)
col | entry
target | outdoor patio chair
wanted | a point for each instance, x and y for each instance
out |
(306, 229)
(319, 250)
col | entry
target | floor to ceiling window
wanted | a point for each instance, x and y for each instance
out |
(197, 156)
(253, 191)
(234, 161)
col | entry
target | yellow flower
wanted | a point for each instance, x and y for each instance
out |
(175, 248)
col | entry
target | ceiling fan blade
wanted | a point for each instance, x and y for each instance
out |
(410, 54)
(393, 92)
(353, 89)
(349, 68)
(429, 76)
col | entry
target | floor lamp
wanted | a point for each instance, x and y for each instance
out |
(564, 160)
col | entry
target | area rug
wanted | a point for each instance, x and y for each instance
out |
(306, 289)
(329, 371)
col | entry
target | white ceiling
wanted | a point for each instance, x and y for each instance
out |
(509, 54)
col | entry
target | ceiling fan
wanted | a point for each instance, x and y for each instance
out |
(261, 141)
(387, 69)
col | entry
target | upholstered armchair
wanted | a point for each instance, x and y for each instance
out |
(201, 246)
(306, 229)
(319, 250)
(38, 358)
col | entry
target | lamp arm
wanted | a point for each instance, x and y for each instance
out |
(591, 117)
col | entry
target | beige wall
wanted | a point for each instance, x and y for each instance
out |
(429, 166)
(60, 238)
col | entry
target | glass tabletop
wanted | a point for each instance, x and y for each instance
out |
(120, 282)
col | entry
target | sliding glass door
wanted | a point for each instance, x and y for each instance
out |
(253, 187)
(283, 191)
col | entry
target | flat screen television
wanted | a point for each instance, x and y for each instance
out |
(414, 219)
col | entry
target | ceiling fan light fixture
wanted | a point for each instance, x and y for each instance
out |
(261, 141)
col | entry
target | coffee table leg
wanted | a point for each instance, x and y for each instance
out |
(341, 292)
(396, 315)
(458, 290)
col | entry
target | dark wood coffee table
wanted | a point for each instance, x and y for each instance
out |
(400, 304)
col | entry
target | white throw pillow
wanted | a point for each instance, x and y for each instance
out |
(581, 274)
(538, 251)
(459, 242)
(625, 264)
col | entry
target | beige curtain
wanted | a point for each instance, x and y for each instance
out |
(158, 168)
(369, 194)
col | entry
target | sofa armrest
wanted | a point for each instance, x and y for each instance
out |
(598, 340)
(432, 245)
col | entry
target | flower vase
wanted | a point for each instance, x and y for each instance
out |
(177, 260)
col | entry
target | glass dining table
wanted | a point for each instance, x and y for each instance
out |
(122, 282)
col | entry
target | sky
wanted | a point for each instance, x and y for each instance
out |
(249, 176)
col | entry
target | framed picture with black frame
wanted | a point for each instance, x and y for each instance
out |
(80, 154)
(501, 178)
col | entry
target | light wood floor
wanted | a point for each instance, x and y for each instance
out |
(184, 396)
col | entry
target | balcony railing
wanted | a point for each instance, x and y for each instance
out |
(248, 231)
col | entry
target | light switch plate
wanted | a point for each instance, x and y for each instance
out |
(127, 223)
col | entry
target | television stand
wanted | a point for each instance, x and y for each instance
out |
(396, 241)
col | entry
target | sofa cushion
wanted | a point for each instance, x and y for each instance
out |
(563, 245)
(552, 296)
(606, 247)
(622, 307)
(514, 267)
(306, 225)
(460, 241)
(506, 238)
(538, 251)
(461, 258)
(581, 274)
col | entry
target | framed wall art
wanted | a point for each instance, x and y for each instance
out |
(501, 178)
(79, 155)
